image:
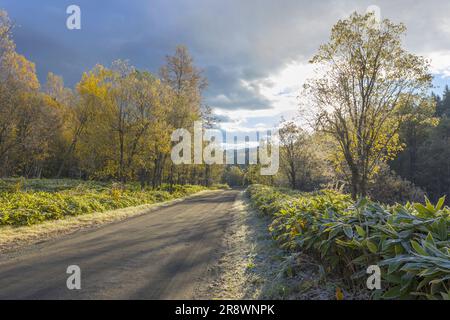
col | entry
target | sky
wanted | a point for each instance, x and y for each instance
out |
(254, 52)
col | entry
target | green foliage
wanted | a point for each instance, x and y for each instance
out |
(425, 159)
(233, 176)
(411, 243)
(40, 200)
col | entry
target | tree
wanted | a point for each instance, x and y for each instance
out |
(425, 160)
(209, 122)
(302, 158)
(292, 143)
(6, 43)
(433, 164)
(60, 102)
(116, 132)
(116, 124)
(91, 93)
(187, 82)
(24, 135)
(443, 104)
(414, 131)
(364, 79)
(233, 176)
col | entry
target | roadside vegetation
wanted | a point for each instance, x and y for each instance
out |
(411, 243)
(28, 202)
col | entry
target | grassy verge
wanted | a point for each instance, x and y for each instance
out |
(29, 202)
(410, 243)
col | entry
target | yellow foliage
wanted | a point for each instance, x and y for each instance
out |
(339, 294)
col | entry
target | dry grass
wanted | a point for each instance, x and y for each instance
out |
(15, 237)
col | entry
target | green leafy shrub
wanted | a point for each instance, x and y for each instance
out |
(409, 242)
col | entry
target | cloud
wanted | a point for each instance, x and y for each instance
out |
(440, 63)
(227, 91)
(253, 52)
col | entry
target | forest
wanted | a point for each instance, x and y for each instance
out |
(115, 124)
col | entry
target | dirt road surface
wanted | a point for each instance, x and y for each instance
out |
(160, 255)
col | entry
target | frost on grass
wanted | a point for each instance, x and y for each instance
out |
(254, 267)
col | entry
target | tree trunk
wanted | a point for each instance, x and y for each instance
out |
(354, 184)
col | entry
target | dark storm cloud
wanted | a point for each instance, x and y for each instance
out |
(235, 95)
(234, 41)
(35, 47)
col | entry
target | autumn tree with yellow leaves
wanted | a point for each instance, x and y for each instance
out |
(364, 81)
